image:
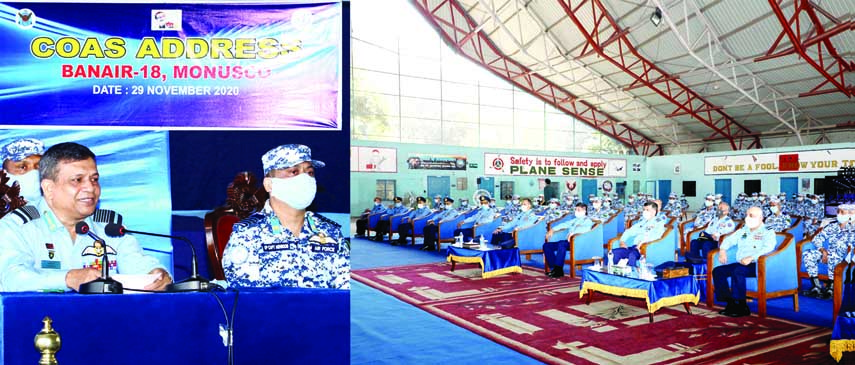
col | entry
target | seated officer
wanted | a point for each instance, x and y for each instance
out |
(20, 160)
(362, 222)
(556, 248)
(831, 245)
(777, 220)
(599, 213)
(47, 253)
(464, 205)
(431, 230)
(674, 208)
(752, 241)
(405, 229)
(437, 202)
(503, 236)
(648, 228)
(386, 219)
(485, 215)
(707, 214)
(708, 240)
(511, 208)
(552, 211)
(284, 245)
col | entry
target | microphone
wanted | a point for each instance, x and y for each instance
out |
(193, 283)
(106, 284)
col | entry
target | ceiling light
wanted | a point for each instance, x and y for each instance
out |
(656, 17)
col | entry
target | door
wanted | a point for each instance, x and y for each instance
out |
(506, 188)
(439, 185)
(650, 188)
(722, 186)
(790, 185)
(487, 183)
(589, 186)
(664, 190)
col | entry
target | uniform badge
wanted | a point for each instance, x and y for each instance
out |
(50, 254)
(323, 243)
(98, 249)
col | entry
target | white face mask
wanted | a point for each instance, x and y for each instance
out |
(773, 209)
(607, 204)
(525, 208)
(647, 215)
(800, 199)
(298, 191)
(596, 205)
(814, 201)
(421, 205)
(752, 222)
(29, 182)
(463, 204)
(631, 200)
(449, 206)
(717, 201)
(579, 214)
(377, 204)
(485, 207)
(708, 203)
(553, 205)
(515, 201)
(397, 205)
(843, 218)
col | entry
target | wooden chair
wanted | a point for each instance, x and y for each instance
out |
(776, 274)
(844, 275)
(218, 228)
(683, 228)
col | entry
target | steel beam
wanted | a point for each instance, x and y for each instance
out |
(823, 56)
(597, 26)
(455, 24)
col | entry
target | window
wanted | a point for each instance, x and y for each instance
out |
(386, 189)
(752, 186)
(689, 188)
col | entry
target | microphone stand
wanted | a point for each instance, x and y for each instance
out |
(194, 282)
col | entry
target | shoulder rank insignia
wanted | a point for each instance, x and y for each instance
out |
(107, 216)
(326, 220)
(249, 221)
(26, 213)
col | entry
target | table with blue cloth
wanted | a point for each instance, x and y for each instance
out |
(656, 293)
(493, 262)
(295, 326)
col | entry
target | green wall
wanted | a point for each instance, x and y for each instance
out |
(362, 184)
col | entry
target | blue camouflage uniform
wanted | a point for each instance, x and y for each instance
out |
(778, 222)
(16, 151)
(704, 216)
(813, 213)
(263, 253)
(555, 250)
(836, 241)
(749, 244)
(642, 231)
(674, 208)
(38, 253)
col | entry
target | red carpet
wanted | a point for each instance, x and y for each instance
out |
(545, 319)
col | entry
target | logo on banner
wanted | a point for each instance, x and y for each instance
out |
(788, 162)
(498, 164)
(166, 19)
(25, 18)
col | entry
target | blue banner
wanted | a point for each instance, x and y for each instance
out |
(171, 65)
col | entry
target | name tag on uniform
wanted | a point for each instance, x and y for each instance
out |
(48, 264)
(328, 248)
(758, 237)
(281, 246)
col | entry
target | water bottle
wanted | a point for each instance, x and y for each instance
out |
(642, 265)
(481, 240)
(460, 238)
(611, 257)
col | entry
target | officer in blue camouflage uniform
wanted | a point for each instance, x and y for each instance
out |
(798, 207)
(631, 210)
(617, 203)
(752, 241)
(431, 230)
(683, 202)
(705, 215)
(599, 213)
(362, 222)
(673, 209)
(556, 247)
(553, 211)
(437, 202)
(405, 229)
(814, 211)
(831, 245)
(284, 245)
(483, 216)
(385, 221)
(511, 209)
(777, 221)
(464, 206)
(20, 160)
(739, 207)
(46, 253)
